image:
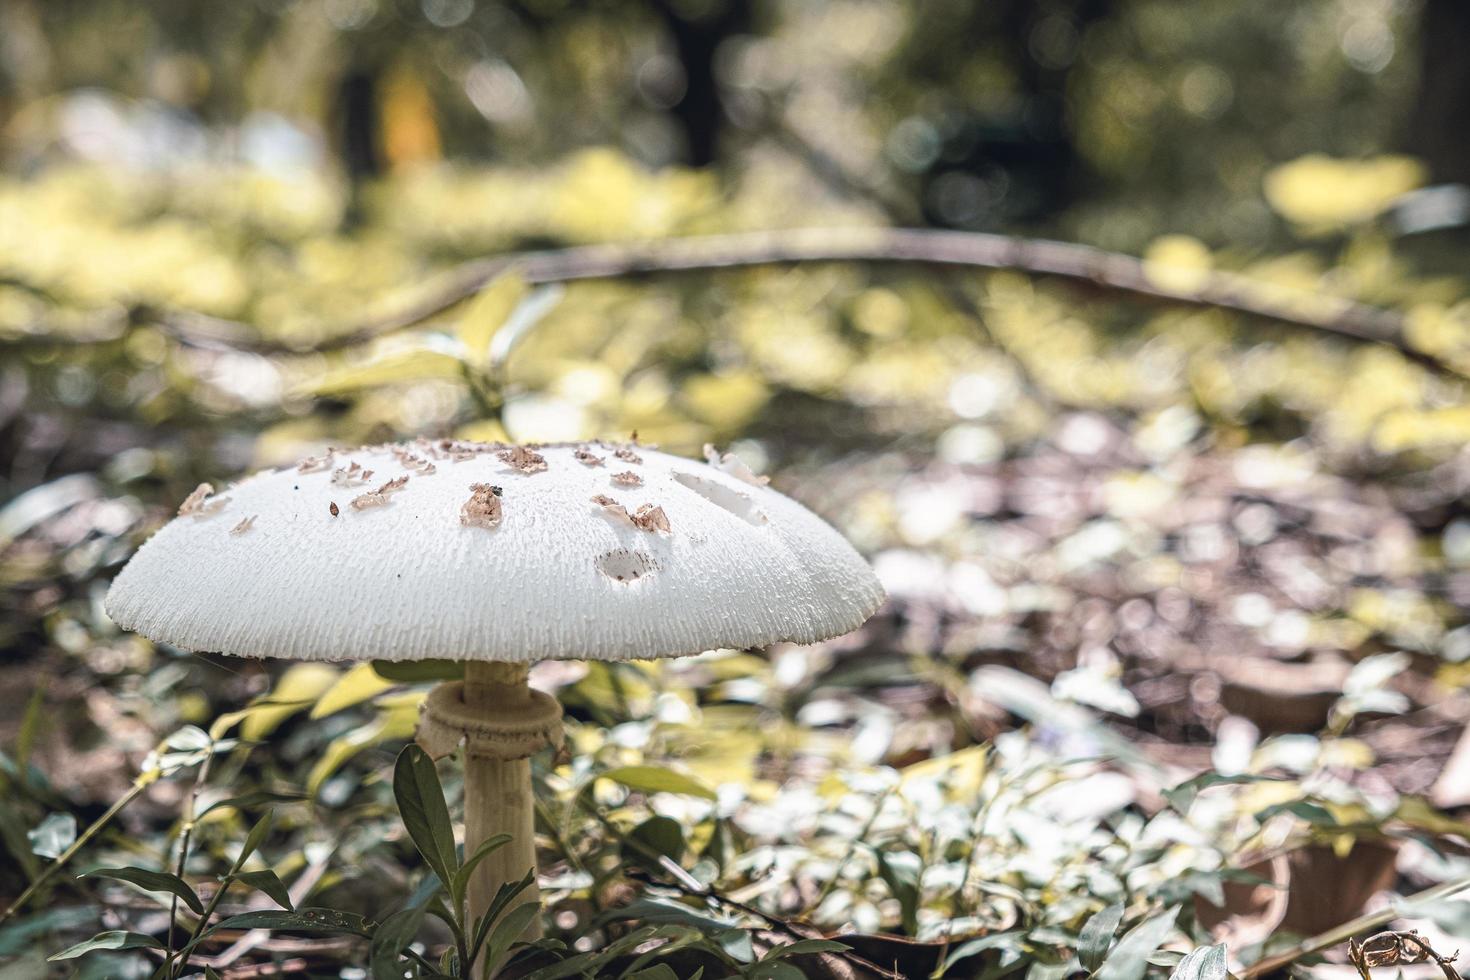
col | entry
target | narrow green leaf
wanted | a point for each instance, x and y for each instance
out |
(116, 939)
(1129, 959)
(254, 839)
(390, 940)
(490, 308)
(804, 947)
(503, 897)
(153, 881)
(249, 801)
(656, 779)
(461, 883)
(399, 367)
(659, 971)
(418, 671)
(1011, 940)
(313, 920)
(509, 929)
(268, 883)
(1204, 963)
(426, 817)
(1097, 935)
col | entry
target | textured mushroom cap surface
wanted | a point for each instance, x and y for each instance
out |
(320, 562)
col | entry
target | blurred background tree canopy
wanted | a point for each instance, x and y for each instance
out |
(1187, 497)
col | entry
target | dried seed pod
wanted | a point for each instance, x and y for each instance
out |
(333, 509)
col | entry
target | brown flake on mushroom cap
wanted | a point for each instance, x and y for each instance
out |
(483, 507)
(627, 479)
(411, 462)
(202, 502)
(585, 458)
(651, 518)
(523, 458)
(352, 475)
(244, 525)
(627, 455)
(316, 464)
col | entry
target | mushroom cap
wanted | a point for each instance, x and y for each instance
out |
(484, 553)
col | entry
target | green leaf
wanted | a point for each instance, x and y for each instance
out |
(900, 872)
(390, 940)
(426, 817)
(461, 882)
(1129, 959)
(1011, 940)
(153, 881)
(254, 839)
(55, 834)
(116, 939)
(659, 971)
(313, 920)
(354, 687)
(399, 367)
(1204, 963)
(1181, 797)
(269, 883)
(805, 947)
(1097, 935)
(509, 929)
(418, 671)
(504, 895)
(249, 801)
(654, 836)
(488, 311)
(656, 779)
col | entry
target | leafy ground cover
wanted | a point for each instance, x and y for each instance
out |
(1170, 678)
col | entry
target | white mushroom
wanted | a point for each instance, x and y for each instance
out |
(511, 555)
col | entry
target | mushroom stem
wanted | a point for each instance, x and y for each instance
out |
(498, 798)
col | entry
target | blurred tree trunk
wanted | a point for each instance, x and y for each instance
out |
(358, 144)
(1437, 131)
(698, 30)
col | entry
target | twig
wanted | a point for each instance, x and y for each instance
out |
(139, 785)
(299, 890)
(1347, 930)
(955, 249)
(686, 883)
(1398, 949)
(186, 835)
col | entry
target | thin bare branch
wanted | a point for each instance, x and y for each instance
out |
(1084, 264)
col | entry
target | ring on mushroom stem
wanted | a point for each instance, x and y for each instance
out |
(497, 556)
